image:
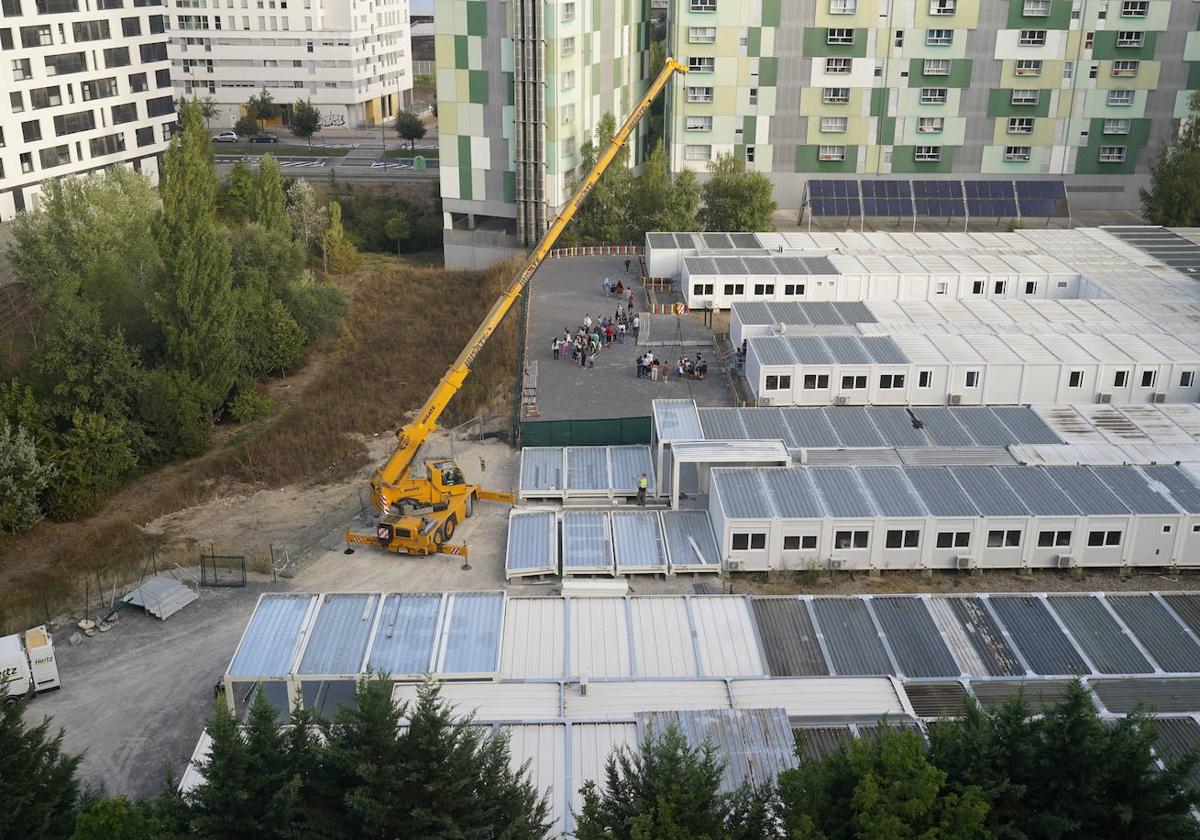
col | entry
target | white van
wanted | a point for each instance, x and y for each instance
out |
(28, 665)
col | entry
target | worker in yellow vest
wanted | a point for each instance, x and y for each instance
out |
(643, 483)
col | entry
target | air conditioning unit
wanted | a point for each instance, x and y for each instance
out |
(841, 399)
(765, 400)
(1160, 398)
(955, 399)
(963, 561)
(834, 565)
(735, 565)
(1104, 398)
(1065, 561)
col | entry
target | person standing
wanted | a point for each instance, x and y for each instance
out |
(637, 320)
(554, 347)
(607, 287)
(643, 483)
(626, 266)
(587, 322)
(641, 370)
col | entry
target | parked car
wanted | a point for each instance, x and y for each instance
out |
(265, 137)
(226, 137)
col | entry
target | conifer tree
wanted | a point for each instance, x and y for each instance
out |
(270, 204)
(38, 788)
(223, 800)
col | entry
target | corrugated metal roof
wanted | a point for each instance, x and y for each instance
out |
(700, 265)
(788, 638)
(816, 742)
(1176, 738)
(884, 350)
(790, 265)
(936, 700)
(407, 633)
(914, 639)
(1039, 694)
(677, 420)
(773, 350)
(1087, 492)
(716, 240)
(974, 637)
(742, 493)
(540, 619)
(269, 644)
(792, 494)
(586, 542)
(662, 638)
(660, 240)
(850, 637)
(809, 427)
(1025, 424)
(591, 746)
(1038, 637)
(638, 541)
(628, 463)
(896, 426)
(754, 745)
(1183, 490)
(1131, 487)
(807, 350)
(984, 426)
(941, 426)
(1187, 607)
(722, 424)
(543, 747)
(1099, 635)
(337, 643)
(852, 427)
(542, 468)
(690, 540)
(988, 492)
(1038, 491)
(939, 491)
(725, 636)
(848, 350)
(587, 468)
(532, 543)
(599, 638)
(1174, 694)
(820, 313)
(471, 630)
(841, 491)
(1158, 631)
(892, 493)
(764, 424)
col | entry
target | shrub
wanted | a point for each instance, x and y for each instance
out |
(250, 405)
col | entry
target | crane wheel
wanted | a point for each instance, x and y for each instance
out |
(470, 508)
(447, 531)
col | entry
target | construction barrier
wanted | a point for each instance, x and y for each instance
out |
(597, 251)
(608, 432)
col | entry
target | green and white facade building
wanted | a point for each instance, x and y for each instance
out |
(521, 85)
(1081, 90)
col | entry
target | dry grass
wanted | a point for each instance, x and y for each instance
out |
(406, 326)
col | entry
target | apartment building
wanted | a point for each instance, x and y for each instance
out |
(1082, 90)
(85, 85)
(350, 58)
(521, 87)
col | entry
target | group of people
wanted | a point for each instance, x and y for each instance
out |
(619, 291)
(649, 367)
(592, 336)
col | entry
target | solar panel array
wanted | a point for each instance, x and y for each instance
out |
(1181, 254)
(938, 198)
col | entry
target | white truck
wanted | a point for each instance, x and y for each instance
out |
(27, 664)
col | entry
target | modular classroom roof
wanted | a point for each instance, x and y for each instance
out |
(576, 677)
(858, 492)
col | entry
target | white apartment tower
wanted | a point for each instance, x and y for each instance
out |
(84, 85)
(350, 58)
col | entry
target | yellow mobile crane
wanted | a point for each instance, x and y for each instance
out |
(421, 512)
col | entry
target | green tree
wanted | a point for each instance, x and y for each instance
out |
(309, 219)
(269, 208)
(169, 409)
(397, 229)
(666, 789)
(90, 461)
(306, 120)
(195, 305)
(38, 787)
(246, 126)
(84, 368)
(208, 108)
(23, 477)
(270, 340)
(264, 260)
(663, 202)
(735, 199)
(339, 252)
(882, 788)
(1173, 199)
(236, 196)
(318, 307)
(1067, 773)
(119, 817)
(603, 218)
(262, 107)
(409, 127)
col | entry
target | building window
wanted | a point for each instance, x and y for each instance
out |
(954, 539)
(1003, 539)
(116, 57)
(851, 383)
(830, 153)
(930, 125)
(936, 67)
(1017, 154)
(1000, 287)
(700, 94)
(778, 383)
(835, 96)
(939, 37)
(816, 381)
(837, 65)
(74, 123)
(927, 153)
(1186, 379)
(568, 45)
(58, 156)
(702, 34)
(98, 89)
(60, 65)
(21, 69)
(1131, 39)
(933, 96)
(703, 5)
(734, 288)
(902, 539)
(26, 162)
(37, 36)
(843, 7)
(697, 152)
(1107, 538)
(568, 12)
(890, 381)
(850, 539)
(1032, 38)
(1120, 379)
(699, 124)
(797, 543)
(1075, 379)
(943, 7)
(124, 113)
(1029, 67)
(971, 380)
(89, 30)
(1149, 377)
(1120, 98)
(108, 145)
(1025, 96)
(1125, 69)
(46, 97)
(568, 147)
(839, 36)
(1116, 126)
(1054, 539)
(31, 131)
(702, 289)
(1036, 8)
(1135, 8)
(1020, 125)
(1112, 154)
(701, 64)
(833, 125)
(794, 289)
(925, 379)
(568, 80)
(756, 541)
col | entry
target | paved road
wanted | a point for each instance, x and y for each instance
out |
(364, 162)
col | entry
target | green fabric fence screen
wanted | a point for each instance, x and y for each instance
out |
(611, 432)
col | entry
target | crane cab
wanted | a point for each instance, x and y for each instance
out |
(446, 475)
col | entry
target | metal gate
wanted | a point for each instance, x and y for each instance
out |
(222, 569)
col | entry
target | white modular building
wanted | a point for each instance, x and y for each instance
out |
(963, 517)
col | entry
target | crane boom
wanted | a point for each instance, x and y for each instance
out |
(413, 434)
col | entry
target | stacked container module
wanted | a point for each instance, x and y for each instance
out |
(587, 543)
(640, 548)
(532, 544)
